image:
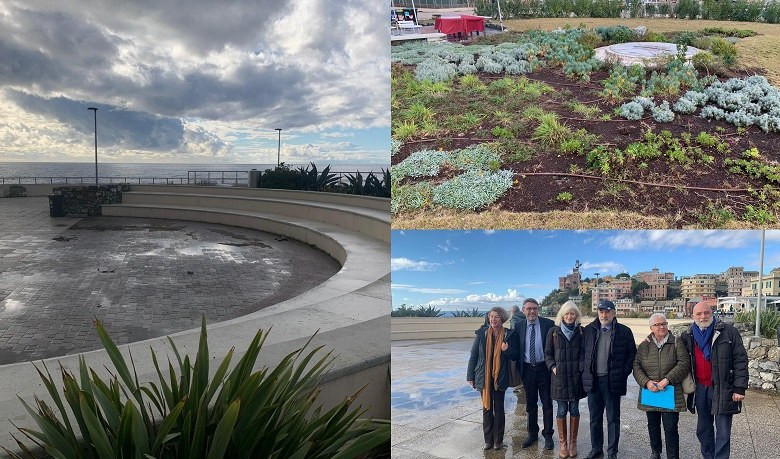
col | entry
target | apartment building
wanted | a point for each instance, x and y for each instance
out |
(700, 285)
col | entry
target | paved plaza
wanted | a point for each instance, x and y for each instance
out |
(143, 278)
(436, 414)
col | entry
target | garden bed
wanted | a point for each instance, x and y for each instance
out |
(568, 147)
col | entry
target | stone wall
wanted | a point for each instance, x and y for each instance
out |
(763, 366)
(764, 355)
(86, 200)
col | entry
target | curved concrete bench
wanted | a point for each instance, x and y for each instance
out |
(350, 310)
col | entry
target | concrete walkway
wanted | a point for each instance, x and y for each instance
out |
(143, 278)
(436, 414)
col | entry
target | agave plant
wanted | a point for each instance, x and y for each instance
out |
(311, 180)
(239, 413)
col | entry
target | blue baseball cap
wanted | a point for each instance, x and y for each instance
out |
(606, 304)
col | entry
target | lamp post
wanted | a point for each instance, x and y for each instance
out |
(94, 110)
(596, 288)
(279, 148)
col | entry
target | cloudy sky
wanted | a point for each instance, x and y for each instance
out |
(194, 81)
(457, 270)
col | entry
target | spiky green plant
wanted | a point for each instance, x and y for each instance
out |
(550, 131)
(239, 413)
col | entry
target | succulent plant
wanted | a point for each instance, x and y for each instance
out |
(632, 111)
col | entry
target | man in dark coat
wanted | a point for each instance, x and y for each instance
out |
(608, 351)
(531, 334)
(516, 316)
(720, 369)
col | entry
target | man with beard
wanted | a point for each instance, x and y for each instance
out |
(720, 369)
(608, 352)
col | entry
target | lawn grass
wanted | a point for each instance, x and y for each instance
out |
(762, 50)
(499, 219)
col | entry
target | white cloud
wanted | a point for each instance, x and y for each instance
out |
(537, 286)
(447, 246)
(476, 282)
(671, 239)
(476, 300)
(489, 232)
(405, 264)
(428, 290)
(603, 267)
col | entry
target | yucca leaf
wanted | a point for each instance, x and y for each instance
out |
(167, 424)
(198, 444)
(116, 357)
(51, 435)
(220, 374)
(224, 430)
(166, 390)
(156, 397)
(97, 433)
(102, 395)
(53, 452)
(124, 434)
(366, 442)
(48, 381)
(140, 434)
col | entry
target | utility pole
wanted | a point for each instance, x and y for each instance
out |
(94, 110)
(279, 148)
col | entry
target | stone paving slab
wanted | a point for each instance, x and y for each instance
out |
(435, 414)
(142, 277)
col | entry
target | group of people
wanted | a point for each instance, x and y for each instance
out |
(564, 360)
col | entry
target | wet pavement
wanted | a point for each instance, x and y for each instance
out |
(436, 414)
(143, 278)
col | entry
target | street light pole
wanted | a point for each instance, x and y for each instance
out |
(94, 110)
(279, 148)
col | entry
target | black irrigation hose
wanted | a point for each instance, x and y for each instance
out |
(637, 182)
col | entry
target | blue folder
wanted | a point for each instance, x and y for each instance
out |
(662, 399)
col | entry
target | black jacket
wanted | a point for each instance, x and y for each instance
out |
(729, 367)
(564, 356)
(545, 325)
(476, 368)
(621, 357)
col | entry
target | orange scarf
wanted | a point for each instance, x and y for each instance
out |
(492, 365)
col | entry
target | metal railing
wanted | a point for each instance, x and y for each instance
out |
(87, 180)
(206, 178)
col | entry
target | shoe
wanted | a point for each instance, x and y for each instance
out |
(564, 451)
(487, 446)
(612, 456)
(499, 446)
(530, 441)
(548, 443)
(574, 429)
(655, 455)
(595, 455)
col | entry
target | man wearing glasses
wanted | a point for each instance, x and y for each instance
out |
(532, 332)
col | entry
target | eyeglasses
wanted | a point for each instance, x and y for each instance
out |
(660, 325)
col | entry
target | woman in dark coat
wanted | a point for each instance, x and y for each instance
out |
(661, 361)
(562, 355)
(488, 372)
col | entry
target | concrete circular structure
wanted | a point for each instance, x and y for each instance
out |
(143, 278)
(642, 53)
(349, 312)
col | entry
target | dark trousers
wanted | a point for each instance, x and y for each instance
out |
(536, 380)
(493, 419)
(599, 400)
(670, 421)
(715, 440)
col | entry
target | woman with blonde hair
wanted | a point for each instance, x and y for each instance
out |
(488, 372)
(562, 355)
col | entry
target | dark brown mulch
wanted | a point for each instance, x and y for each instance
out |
(538, 193)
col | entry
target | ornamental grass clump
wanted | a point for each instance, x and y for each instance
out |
(424, 163)
(472, 189)
(192, 412)
(411, 197)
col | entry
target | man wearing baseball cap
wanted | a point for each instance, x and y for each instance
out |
(608, 352)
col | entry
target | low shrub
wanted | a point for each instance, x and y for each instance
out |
(472, 189)
(424, 163)
(632, 111)
(662, 113)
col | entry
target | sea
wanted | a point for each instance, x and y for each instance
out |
(42, 172)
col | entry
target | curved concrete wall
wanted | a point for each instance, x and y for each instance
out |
(349, 312)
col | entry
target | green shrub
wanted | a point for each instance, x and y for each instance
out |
(191, 412)
(726, 51)
(564, 196)
(282, 177)
(770, 320)
(687, 9)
